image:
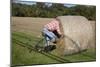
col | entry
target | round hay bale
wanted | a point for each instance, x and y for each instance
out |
(93, 39)
(77, 31)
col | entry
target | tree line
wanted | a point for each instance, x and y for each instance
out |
(50, 11)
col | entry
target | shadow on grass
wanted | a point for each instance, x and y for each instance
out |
(49, 55)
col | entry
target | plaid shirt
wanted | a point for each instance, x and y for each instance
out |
(53, 25)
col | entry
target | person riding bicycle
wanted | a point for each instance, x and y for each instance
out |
(51, 32)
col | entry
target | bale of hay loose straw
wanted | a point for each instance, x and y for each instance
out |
(78, 33)
(92, 43)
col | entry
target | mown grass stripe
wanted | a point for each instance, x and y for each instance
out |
(62, 60)
(23, 35)
(30, 41)
(27, 39)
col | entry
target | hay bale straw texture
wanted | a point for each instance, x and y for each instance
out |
(93, 39)
(78, 33)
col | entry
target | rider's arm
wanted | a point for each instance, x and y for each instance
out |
(58, 28)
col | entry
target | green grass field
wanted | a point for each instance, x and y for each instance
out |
(23, 52)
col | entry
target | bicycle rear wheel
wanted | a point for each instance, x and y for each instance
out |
(40, 45)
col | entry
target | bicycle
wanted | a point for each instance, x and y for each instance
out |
(41, 48)
(40, 45)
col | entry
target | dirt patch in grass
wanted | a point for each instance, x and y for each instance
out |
(29, 24)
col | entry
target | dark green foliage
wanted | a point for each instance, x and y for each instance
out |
(43, 10)
(87, 11)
